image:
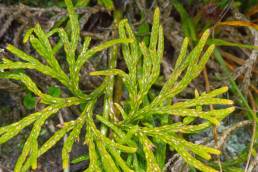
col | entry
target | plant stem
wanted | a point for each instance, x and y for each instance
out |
(109, 111)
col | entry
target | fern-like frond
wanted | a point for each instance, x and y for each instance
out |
(136, 140)
(39, 40)
(143, 65)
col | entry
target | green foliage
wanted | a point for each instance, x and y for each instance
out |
(107, 4)
(143, 123)
(54, 91)
(221, 42)
(29, 101)
(143, 30)
(138, 85)
(80, 159)
(187, 23)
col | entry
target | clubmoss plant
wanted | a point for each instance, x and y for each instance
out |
(129, 141)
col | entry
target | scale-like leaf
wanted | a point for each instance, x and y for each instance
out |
(120, 143)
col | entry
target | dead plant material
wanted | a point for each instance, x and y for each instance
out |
(249, 63)
(21, 17)
(232, 67)
(228, 132)
(237, 60)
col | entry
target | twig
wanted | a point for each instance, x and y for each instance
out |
(253, 164)
(214, 128)
(235, 59)
(170, 161)
(241, 77)
(253, 56)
